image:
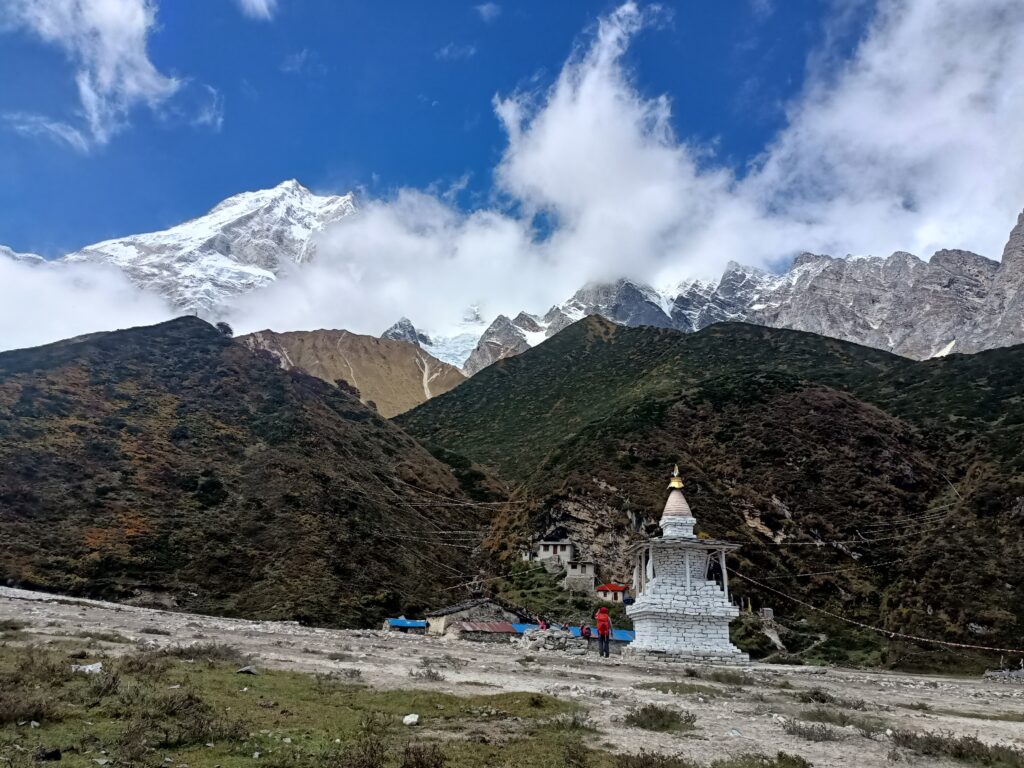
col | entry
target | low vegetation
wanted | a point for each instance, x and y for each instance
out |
(652, 717)
(968, 749)
(811, 731)
(679, 688)
(865, 725)
(821, 696)
(653, 760)
(179, 707)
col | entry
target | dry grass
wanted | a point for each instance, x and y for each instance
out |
(967, 749)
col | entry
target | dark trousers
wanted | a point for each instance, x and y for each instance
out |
(604, 645)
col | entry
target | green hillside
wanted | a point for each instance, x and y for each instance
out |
(903, 480)
(171, 465)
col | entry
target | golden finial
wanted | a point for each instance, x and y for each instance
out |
(676, 481)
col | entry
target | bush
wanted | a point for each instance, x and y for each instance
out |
(430, 674)
(652, 717)
(209, 652)
(966, 748)
(821, 696)
(423, 756)
(652, 760)
(867, 726)
(811, 731)
(20, 706)
(576, 721)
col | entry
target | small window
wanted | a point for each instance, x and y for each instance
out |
(544, 547)
(573, 566)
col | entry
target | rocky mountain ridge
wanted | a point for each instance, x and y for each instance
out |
(391, 375)
(957, 301)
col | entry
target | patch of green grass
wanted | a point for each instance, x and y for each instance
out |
(652, 717)
(920, 706)
(967, 749)
(680, 688)
(1006, 717)
(146, 707)
(12, 625)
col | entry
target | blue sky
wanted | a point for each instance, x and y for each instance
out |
(501, 159)
(343, 94)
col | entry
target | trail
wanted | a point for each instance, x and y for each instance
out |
(735, 720)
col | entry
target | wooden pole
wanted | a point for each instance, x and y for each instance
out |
(725, 573)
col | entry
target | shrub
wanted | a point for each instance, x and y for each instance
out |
(423, 756)
(430, 674)
(371, 749)
(209, 652)
(21, 706)
(575, 721)
(867, 726)
(966, 748)
(652, 760)
(811, 731)
(652, 717)
(146, 665)
(821, 696)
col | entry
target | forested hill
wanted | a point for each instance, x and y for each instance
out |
(898, 486)
(173, 465)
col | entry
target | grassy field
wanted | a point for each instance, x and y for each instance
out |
(191, 707)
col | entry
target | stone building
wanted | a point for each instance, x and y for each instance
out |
(479, 610)
(679, 613)
(580, 576)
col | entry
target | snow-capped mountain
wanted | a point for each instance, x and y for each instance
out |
(239, 246)
(25, 258)
(957, 301)
(453, 349)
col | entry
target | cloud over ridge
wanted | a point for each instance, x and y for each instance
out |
(913, 143)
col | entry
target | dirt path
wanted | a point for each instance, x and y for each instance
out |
(733, 720)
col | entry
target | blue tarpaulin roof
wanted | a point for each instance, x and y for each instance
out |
(406, 623)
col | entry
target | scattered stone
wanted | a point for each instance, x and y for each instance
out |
(88, 669)
(247, 670)
(411, 720)
(45, 755)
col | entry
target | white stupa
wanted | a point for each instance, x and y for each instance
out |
(679, 613)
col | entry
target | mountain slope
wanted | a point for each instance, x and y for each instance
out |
(171, 464)
(392, 375)
(242, 244)
(821, 457)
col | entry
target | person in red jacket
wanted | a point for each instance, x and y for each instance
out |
(604, 631)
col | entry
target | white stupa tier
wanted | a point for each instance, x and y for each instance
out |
(679, 613)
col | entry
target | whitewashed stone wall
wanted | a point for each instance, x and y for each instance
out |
(677, 619)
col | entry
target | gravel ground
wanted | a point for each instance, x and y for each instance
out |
(734, 720)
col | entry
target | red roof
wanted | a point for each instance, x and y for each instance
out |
(612, 588)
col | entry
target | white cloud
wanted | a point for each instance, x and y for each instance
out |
(106, 42)
(489, 12)
(258, 9)
(455, 52)
(41, 303)
(304, 62)
(913, 142)
(29, 124)
(210, 113)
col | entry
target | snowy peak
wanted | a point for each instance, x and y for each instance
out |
(404, 330)
(240, 245)
(24, 258)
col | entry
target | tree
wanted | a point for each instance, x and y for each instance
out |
(225, 329)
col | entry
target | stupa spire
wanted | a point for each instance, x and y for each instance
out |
(676, 481)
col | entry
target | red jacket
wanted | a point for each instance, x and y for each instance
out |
(604, 623)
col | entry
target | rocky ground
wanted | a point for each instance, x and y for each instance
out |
(736, 712)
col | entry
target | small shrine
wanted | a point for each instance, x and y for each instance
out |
(679, 612)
